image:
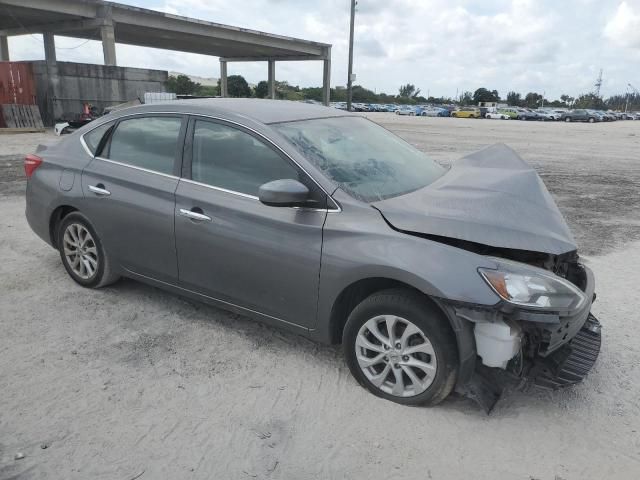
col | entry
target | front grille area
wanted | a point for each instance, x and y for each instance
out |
(571, 363)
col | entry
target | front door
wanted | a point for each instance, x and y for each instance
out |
(129, 191)
(236, 249)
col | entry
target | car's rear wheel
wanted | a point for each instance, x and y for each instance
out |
(82, 253)
(591, 119)
(400, 347)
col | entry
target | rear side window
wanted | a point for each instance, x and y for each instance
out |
(92, 139)
(229, 158)
(146, 142)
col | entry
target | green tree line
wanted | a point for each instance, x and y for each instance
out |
(237, 86)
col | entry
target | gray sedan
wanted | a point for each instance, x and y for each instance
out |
(322, 222)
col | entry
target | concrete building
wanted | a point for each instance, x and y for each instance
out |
(113, 23)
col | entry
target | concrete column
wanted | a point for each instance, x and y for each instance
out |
(223, 79)
(49, 48)
(54, 108)
(4, 49)
(326, 81)
(271, 82)
(108, 44)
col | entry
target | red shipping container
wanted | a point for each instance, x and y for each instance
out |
(16, 83)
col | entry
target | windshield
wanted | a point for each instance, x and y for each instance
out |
(366, 160)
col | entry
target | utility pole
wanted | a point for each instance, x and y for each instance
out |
(350, 79)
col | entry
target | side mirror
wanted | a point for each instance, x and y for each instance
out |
(283, 193)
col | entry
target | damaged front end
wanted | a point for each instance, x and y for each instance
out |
(550, 343)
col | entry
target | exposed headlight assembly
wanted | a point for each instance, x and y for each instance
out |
(531, 287)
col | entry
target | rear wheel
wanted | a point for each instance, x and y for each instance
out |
(591, 119)
(400, 347)
(82, 253)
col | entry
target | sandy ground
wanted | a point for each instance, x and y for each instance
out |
(130, 380)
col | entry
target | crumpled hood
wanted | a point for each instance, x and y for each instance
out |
(492, 197)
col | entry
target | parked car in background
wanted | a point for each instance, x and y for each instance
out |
(433, 112)
(497, 116)
(524, 114)
(509, 112)
(548, 114)
(324, 223)
(406, 110)
(579, 115)
(466, 112)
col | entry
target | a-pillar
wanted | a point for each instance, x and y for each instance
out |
(4, 49)
(108, 44)
(223, 79)
(271, 82)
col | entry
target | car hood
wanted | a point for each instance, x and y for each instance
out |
(492, 197)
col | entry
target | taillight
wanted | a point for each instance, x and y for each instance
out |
(31, 162)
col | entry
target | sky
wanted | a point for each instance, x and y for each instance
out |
(441, 46)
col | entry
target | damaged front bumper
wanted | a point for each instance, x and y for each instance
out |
(556, 349)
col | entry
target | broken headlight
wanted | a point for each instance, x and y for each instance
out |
(532, 287)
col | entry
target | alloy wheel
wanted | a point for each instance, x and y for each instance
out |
(80, 251)
(395, 356)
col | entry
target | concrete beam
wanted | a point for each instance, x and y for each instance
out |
(223, 79)
(108, 44)
(326, 81)
(278, 58)
(55, 27)
(4, 49)
(271, 82)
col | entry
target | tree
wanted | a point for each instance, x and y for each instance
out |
(484, 95)
(513, 99)
(409, 91)
(237, 86)
(181, 85)
(566, 99)
(207, 91)
(262, 89)
(589, 100)
(533, 100)
(466, 98)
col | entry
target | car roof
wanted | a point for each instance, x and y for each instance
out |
(261, 110)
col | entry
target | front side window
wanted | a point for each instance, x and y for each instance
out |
(92, 139)
(229, 158)
(146, 142)
(363, 158)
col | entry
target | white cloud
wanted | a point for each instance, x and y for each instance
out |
(439, 45)
(624, 28)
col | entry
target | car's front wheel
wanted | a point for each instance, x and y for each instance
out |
(82, 253)
(399, 346)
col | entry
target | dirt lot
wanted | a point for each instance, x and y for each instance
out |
(130, 380)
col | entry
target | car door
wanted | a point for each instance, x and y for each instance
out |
(236, 249)
(129, 189)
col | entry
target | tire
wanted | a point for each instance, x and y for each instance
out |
(591, 120)
(567, 119)
(94, 268)
(454, 115)
(431, 333)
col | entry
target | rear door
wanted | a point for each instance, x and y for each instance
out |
(240, 251)
(129, 190)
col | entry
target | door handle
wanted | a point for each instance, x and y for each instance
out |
(99, 190)
(201, 217)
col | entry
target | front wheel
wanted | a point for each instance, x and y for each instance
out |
(82, 253)
(400, 347)
(591, 119)
(567, 119)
